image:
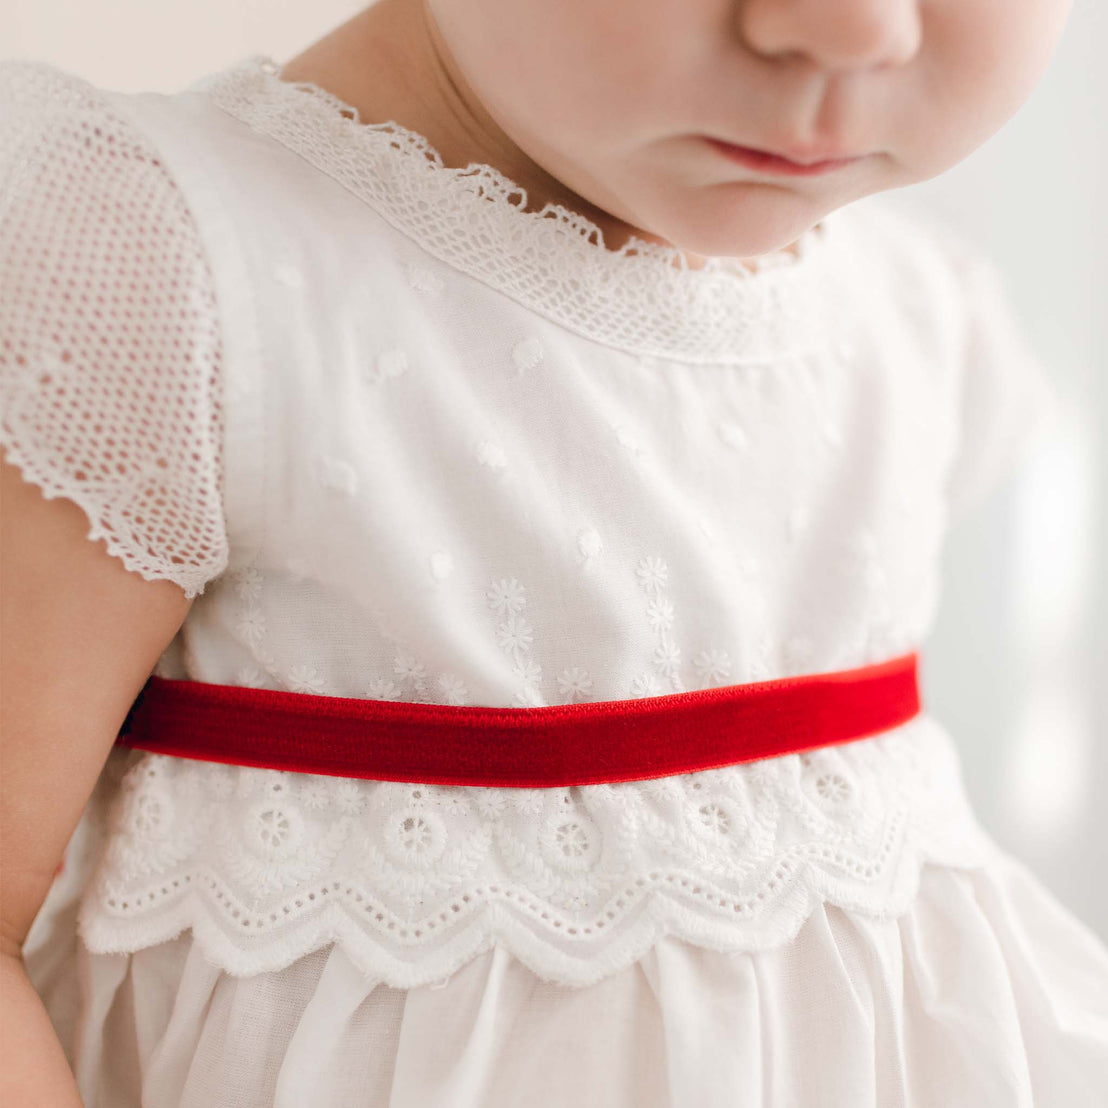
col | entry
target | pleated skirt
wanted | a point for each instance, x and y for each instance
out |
(985, 993)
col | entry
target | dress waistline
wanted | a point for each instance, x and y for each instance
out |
(582, 743)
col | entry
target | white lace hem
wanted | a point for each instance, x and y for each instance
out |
(661, 916)
(416, 924)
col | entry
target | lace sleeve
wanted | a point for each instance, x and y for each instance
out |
(110, 373)
(1006, 400)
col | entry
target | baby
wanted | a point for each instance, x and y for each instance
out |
(368, 429)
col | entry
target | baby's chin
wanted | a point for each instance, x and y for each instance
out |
(748, 244)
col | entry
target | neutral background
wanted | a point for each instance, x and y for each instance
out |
(1017, 666)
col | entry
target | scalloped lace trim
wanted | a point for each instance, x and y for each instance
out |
(415, 880)
(192, 579)
(644, 297)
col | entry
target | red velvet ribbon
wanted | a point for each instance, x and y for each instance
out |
(582, 743)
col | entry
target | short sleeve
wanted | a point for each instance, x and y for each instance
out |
(110, 353)
(1005, 400)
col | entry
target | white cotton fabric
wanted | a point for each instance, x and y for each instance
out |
(400, 438)
(985, 991)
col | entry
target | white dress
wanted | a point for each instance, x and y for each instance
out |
(402, 439)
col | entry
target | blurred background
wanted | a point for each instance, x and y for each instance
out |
(1017, 666)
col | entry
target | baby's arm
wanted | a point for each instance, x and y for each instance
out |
(111, 471)
(79, 634)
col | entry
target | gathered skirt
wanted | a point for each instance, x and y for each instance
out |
(986, 993)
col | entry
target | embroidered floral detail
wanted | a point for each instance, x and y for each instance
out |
(527, 354)
(667, 657)
(270, 851)
(409, 668)
(713, 666)
(514, 636)
(453, 689)
(646, 684)
(347, 796)
(653, 575)
(528, 801)
(314, 793)
(415, 838)
(307, 679)
(490, 802)
(529, 697)
(250, 677)
(833, 788)
(570, 843)
(248, 583)
(274, 831)
(507, 596)
(381, 688)
(151, 813)
(722, 818)
(660, 613)
(304, 677)
(528, 671)
(575, 684)
(250, 625)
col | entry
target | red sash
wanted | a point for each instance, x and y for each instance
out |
(583, 743)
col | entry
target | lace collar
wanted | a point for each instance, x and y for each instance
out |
(643, 299)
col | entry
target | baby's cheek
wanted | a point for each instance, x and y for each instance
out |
(994, 53)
